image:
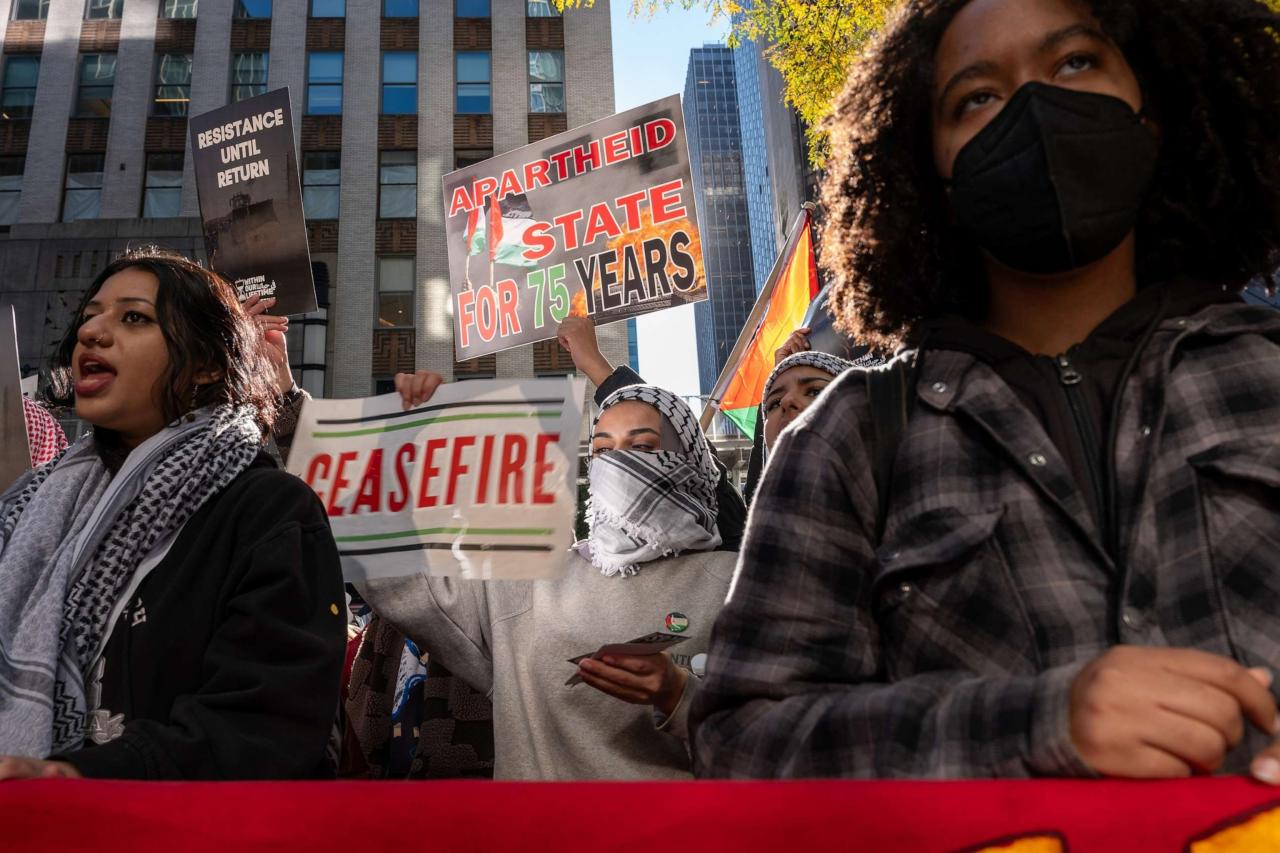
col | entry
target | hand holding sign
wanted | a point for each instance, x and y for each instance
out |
(480, 483)
(274, 330)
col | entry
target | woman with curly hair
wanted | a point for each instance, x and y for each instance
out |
(1054, 205)
(169, 600)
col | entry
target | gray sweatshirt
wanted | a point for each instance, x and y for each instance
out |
(513, 639)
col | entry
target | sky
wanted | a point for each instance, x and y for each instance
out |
(650, 57)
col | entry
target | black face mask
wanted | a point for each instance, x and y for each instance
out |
(1056, 180)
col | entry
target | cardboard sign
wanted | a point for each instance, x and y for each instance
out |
(596, 221)
(479, 483)
(15, 451)
(251, 200)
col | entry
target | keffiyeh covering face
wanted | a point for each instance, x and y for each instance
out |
(645, 506)
(72, 537)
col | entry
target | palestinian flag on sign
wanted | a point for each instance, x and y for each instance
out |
(474, 235)
(509, 219)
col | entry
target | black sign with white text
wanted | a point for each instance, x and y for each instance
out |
(251, 200)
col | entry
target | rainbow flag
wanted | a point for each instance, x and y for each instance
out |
(779, 311)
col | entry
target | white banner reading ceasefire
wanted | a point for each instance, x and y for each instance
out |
(479, 483)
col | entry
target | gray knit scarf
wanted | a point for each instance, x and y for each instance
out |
(645, 506)
(71, 538)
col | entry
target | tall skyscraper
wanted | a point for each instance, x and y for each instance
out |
(387, 96)
(774, 159)
(715, 153)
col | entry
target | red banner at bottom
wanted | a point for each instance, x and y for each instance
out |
(1225, 814)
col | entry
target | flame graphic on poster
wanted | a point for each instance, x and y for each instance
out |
(648, 231)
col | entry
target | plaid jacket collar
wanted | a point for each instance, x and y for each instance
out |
(961, 384)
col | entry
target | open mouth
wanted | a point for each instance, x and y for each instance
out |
(95, 375)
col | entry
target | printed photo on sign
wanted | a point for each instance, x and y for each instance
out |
(251, 200)
(481, 483)
(598, 221)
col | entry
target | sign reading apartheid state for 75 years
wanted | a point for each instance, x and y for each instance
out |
(251, 200)
(479, 483)
(597, 221)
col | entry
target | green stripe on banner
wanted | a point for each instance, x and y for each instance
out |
(441, 420)
(438, 531)
(744, 419)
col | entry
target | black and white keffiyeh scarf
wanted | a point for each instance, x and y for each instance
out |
(71, 538)
(811, 358)
(650, 505)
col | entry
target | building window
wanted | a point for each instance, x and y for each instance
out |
(253, 9)
(82, 197)
(30, 10)
(321, 179)
(471, 8)
(101, 10)
(162, 197)
(398, 185)
(248, 75)
(464, 157)
(395, 292)
(473, 81)
(328, 8)
(399, 83)
(541, 9)
(324, 84)
(399, 8)
(10, 188)
(546, 81)
(173, 84)
(19, 94)
(178, 9)
(97, 78)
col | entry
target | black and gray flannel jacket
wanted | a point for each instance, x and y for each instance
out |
(948, 650)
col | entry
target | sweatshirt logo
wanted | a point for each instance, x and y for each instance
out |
(677, 623)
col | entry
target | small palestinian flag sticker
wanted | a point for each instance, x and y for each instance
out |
(677, 623)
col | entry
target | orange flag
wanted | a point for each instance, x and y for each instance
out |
(779, 311)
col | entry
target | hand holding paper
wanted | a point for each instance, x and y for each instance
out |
(634, 671)
(649, 677)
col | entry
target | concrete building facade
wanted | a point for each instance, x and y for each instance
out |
(387, 97)
(715, 155)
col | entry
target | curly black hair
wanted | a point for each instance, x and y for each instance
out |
(1210, 74)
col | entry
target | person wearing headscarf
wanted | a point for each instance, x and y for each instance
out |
(650, 564)
(169, 600)
(795, 383)
(577, 336)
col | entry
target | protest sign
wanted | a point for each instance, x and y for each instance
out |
(15, 452)
(597, 221)
(479, 483)
(251, 200)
